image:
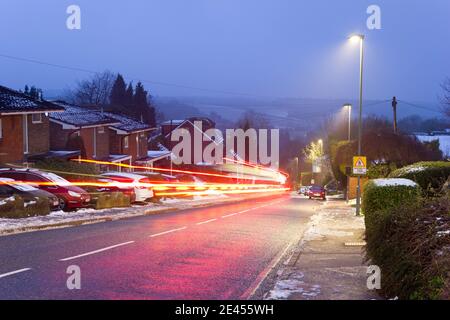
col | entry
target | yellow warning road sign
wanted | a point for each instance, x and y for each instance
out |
(359, 165)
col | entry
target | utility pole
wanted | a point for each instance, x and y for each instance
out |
(394, 108)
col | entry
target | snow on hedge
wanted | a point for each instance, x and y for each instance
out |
(394, 182)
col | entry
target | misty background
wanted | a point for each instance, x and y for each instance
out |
(288, 60)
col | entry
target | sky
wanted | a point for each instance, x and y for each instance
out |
(264, 48)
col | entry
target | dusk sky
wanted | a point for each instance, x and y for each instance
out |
(276, 48)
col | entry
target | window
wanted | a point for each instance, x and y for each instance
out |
(101, 130)
(36, 118)
(125, 142)
(1, 129)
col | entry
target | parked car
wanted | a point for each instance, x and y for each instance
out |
(304, 190)
(114, 186)
(187, 178)
(141, 185)
(317, 192)
(169, 181)
(10, 187)
(70, 196)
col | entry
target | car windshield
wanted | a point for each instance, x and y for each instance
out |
(55, 178)
(22, 187)
(316, 188)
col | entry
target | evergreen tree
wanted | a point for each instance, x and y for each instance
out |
(118, 92)
(129, 95)
(142, 110)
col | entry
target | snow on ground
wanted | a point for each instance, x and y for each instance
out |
(295, 284)
(61, 218)
(394, 182)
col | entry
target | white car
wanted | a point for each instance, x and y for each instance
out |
(143, 189)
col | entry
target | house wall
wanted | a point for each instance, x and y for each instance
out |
(117, 145)
(58, 137)
(101, 143)
(38, 135)
(11, 142)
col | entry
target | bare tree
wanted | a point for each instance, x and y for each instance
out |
(94, 91)
(446, 97)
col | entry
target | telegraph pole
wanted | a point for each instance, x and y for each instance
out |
(394, 108)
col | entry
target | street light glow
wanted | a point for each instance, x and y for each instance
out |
(356, 37)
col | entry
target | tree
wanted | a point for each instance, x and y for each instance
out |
(142, 110)
(118, 92)
(94, 91)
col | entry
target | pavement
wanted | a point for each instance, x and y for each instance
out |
(327, 263)
(218, 252)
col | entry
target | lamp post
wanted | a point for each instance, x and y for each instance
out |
(349, 109)
(360, 38)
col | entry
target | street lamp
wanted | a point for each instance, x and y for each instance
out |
(348, 106)
(360, 38)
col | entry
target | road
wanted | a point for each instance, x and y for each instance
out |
(219, 252)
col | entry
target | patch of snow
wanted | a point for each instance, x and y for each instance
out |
(444, 142)
(394, 182)
(284, 288)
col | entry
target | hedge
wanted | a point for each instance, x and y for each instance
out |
(430, 176)
(70, 170)
(108, 200)
(15, 207)
(380, 200)
(412, 249)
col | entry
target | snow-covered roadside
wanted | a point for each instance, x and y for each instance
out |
(321, 266)
(58, 219)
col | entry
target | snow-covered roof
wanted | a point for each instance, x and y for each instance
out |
(128, 124)
(157, 153)
(12, 101)
(123, 174)
(173, 122)
(394, 182)
(81, 117)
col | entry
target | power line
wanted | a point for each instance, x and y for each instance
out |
(168, 84)
(419, 106)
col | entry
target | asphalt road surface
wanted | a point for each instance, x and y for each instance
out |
(219, 252)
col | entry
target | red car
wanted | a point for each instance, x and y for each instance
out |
(317, 192)
(70, 196)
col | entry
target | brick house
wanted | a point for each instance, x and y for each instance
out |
(168, 127)
(99, 135)
(82, 129)
(129, 137)
(24, 126)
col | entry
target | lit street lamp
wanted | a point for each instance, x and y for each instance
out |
(360, 38)
(349, 109)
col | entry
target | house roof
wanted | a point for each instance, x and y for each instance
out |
(81, 117)
(127, 124)
(12, 101)
(88, 117)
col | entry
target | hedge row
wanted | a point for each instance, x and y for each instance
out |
(15, 207)
(381, 198)
(412, 248)
(108, 200)
(430, 176)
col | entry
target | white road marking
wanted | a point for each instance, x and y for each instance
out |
(166, 232)
(96, 251)
(230, 215)
(207, 221)
(14, 272)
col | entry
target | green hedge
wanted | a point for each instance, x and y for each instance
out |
(430, 176)
(411, 248)
(108, 200)
(14, 208)
(379, 202)
(70, 170)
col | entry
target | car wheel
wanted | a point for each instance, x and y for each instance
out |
(62, 205)
(310, 198)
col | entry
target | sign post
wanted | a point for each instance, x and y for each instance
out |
(359, 169)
